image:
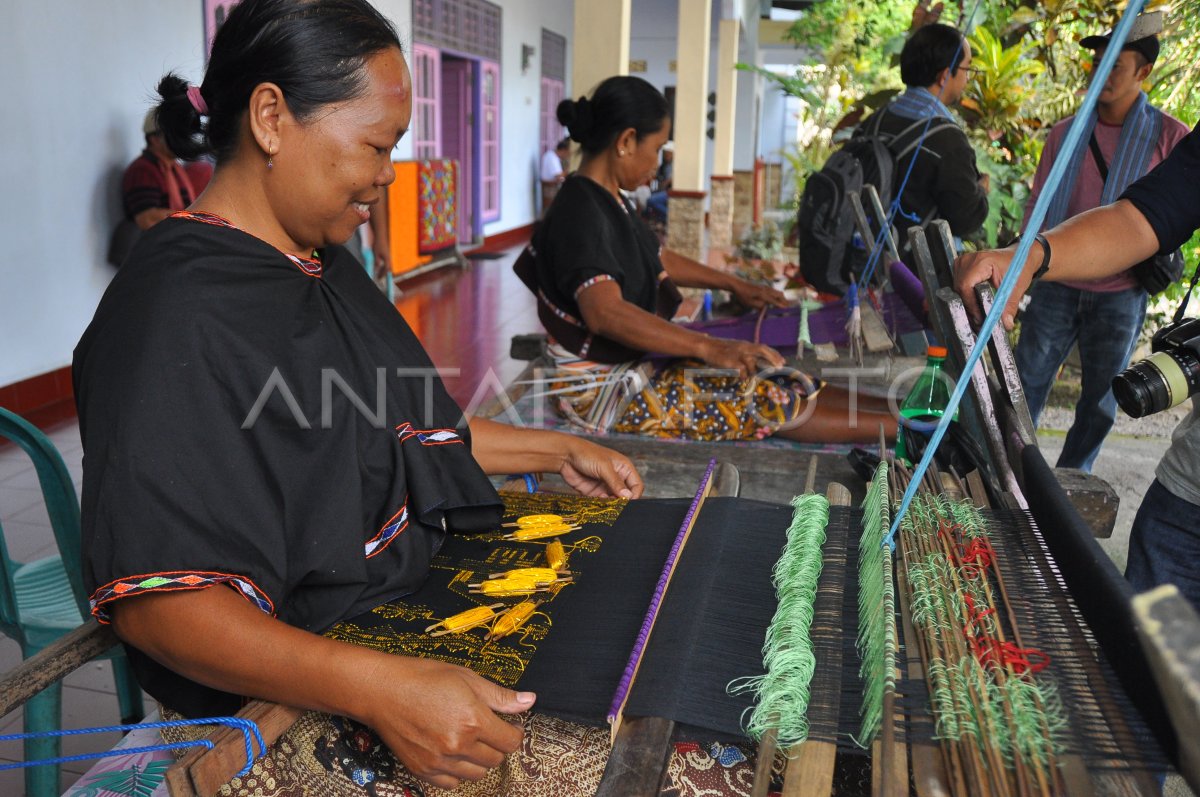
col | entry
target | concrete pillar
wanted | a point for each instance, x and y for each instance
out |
(600, 48)
(685, 229)
(720, 211)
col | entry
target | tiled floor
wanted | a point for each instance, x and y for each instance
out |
(465, 318)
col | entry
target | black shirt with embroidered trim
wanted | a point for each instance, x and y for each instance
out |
(588, 234)
(222, 446)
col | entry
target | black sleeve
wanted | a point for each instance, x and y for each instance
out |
(960, 199)
(1169, 195)
(578, 242)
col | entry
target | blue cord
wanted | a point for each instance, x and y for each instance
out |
(531, 480)
(894, 208)
(1074, 134)
(249, 732)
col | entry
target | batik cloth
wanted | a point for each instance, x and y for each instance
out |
(681, 399)
(264, 422)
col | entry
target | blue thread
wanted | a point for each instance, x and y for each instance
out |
(249, 730)
(1017, 265)
(530, 479)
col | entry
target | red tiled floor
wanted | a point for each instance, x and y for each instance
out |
(466, 318)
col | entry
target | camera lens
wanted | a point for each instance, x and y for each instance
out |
(1162, 380)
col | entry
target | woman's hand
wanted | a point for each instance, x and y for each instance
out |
(756, 296)
(739, 355)
(990, 266)
(594, 470)
(441, 719)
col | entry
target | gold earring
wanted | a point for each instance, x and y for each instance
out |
(271, 158)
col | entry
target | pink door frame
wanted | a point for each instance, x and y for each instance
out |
(458, 135)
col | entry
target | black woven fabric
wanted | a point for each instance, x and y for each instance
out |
(709, 631)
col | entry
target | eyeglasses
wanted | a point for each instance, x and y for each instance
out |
(971, 70)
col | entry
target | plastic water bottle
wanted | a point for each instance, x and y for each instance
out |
(926, 402)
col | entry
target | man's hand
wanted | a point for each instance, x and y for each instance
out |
(925, 14)
(990, 266)
(594, 470)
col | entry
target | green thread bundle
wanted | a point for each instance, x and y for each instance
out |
(782, 694)
(876, 608)
(803, 335)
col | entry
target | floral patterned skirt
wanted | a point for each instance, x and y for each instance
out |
(327, 756)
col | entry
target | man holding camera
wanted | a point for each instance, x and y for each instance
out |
(1157, 214)
(1127, 138)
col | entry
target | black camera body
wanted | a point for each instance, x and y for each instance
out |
(1167, 377)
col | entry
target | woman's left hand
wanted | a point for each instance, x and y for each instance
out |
(757, 296)
(596, 471)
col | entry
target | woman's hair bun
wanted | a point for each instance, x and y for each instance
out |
(577, 116)
(178, 119)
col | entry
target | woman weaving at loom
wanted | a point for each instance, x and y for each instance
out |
(218, 453)
(606, 294)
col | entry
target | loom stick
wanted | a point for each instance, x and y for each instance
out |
(643, 747)
(928, 767)
(765, 759)
(616, 711)
(810, 768)
(204, 771)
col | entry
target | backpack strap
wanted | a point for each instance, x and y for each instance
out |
(907, 150)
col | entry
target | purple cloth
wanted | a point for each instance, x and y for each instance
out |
(827, 325)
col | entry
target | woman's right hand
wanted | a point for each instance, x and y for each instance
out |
(441, 720)
(743, 356)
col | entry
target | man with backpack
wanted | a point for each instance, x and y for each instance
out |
(1128, 138)
(944, 183)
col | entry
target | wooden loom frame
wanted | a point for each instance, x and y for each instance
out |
(643, 744)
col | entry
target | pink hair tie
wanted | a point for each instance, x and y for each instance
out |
(197, 100)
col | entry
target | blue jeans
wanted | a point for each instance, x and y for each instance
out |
(657, 204)
(1106, 326)
(1164, 545)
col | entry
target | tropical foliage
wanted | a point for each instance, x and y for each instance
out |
(1032, 73)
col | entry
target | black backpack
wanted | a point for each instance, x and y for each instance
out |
(828, 256)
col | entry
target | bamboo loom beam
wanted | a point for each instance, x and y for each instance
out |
(810, 767)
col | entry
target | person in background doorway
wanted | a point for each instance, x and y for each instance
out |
(155, 185)
(553, 171)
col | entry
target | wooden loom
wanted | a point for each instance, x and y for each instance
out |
(643, 744)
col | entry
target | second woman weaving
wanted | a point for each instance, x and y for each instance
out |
(606, 293)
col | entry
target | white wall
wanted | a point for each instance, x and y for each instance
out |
(520, 96)
(76, 77)
(655, 27)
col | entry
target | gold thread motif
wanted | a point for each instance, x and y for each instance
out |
(400, 627)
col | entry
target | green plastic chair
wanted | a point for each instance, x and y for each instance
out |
(42, 600)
